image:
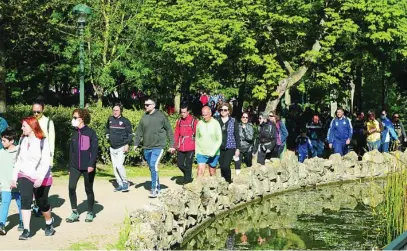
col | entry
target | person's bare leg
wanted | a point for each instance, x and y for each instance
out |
(26, 218)
(47, 215)
(201, 169)
(212, 171)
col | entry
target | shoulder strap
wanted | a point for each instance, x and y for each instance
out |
(19, 147)
(49, 121)
(41, 147)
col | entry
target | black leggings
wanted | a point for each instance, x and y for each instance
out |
(225, 159)
(74, 175)
(40, 193)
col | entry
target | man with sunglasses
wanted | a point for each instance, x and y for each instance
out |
(401, 133)
(154, 129)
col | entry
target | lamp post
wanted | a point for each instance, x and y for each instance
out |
(81, 11)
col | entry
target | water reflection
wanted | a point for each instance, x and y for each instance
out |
(331, 217)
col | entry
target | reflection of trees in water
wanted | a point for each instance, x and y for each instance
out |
(283, 221)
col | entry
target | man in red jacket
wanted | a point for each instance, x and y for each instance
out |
(204, 99)
(184, 142)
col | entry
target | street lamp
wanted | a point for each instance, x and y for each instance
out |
(81, 12)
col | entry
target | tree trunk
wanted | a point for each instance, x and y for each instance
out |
(286, 83)
(177, 102)
(358, 89)
(3, 96)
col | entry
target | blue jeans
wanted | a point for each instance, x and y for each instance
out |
(317, 148)
(153, 157)
(6, 198)
(384, 148)
(302, 156)
(373, 145)
(340, 146)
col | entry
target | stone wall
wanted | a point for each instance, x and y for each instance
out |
(180, 211)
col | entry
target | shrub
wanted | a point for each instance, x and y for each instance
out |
(62, 119)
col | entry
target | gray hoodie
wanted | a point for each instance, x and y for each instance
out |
(8, 159)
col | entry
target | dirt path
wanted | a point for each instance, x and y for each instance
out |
(110, 210)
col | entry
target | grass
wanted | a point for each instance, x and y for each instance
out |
(106, 171)
(83, 246)
(123, 235)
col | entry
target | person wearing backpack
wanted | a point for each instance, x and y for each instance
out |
(184, 142)
(3, 127)
(32, 173)
(46, 124)
(48, 128)
(8, 156)
(387, 133)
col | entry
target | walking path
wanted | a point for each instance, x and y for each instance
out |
(111, 209)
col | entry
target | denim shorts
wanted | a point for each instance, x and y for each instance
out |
(211, 161)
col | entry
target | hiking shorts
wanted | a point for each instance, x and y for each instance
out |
(211, 161)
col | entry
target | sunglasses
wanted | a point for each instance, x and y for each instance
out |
(245, 117)
(37, 112)
(224, 110)
(396, 117)
(271, 116)
(147, 105)
(76, 117)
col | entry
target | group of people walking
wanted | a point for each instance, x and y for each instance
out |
(27, 160)
(210, 141)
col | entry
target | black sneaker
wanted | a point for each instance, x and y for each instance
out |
(2, 229)
(25, 235)
(49, 229)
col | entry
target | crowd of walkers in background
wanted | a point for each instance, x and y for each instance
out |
(217, 139)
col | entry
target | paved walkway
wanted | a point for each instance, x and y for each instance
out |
(110, 210)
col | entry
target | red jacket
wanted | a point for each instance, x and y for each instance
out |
(204, 99)
(184, 136)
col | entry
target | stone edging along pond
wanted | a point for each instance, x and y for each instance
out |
(180, 211)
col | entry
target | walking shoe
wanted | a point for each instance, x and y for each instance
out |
(20, 226)
(49, 229)
(153, 194)
(25, 235)
(89, 217)
(125, 187)
(2, 229)
(118, 189)
(73, 217)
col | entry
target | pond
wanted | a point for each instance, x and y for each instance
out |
(330, 217)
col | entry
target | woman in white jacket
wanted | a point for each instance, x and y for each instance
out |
(32, 173)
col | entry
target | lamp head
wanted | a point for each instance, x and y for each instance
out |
(81, 12)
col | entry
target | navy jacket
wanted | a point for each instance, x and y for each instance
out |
(83, 149)
(340, 129)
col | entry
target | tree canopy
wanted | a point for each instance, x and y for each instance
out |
(257, 50)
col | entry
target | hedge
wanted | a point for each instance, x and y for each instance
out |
(62, 117)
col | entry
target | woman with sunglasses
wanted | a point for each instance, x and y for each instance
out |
(32, 173)
(267, 138)
(230, 147)
(246, 133)
(282, 134)
(82, 162)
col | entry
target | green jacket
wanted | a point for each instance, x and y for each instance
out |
(208, 138)
(154, 129)
(6, 168)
